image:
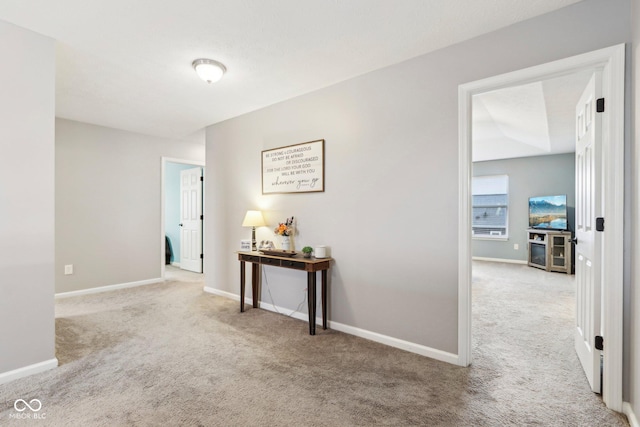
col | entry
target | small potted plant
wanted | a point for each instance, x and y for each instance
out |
(307, 251)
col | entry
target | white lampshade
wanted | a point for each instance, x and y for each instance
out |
(209, 70)
(253, 219)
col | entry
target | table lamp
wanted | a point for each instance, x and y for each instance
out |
(253, 219)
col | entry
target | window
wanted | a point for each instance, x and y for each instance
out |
(490, 203)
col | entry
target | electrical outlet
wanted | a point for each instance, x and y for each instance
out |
(516, 246)
(68, 269)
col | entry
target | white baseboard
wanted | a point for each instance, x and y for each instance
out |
(351, 330)
(25, 371)
(628, 411)
(108, 288)
(508, 261)
(422, 350)
(226, 294)
(175, 264)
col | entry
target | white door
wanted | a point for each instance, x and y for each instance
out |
(589, 241)
(191, 220)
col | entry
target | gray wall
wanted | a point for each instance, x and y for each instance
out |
(632, 321)
(27, 108)
(528, 177)
(390, 209)
(108, 203)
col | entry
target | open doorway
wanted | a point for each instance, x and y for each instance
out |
(176, 252)
(523, 146)
(611, 62)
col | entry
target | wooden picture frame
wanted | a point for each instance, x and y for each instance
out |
(297, 168)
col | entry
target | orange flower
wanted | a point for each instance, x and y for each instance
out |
(284, 228)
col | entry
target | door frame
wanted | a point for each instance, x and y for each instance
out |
(611, 61)
(163, 163)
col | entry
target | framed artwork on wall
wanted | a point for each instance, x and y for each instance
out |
(295, 168)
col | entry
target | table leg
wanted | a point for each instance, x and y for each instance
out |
(255, 282)
(311, 297)
(324, 299)
(242, 286)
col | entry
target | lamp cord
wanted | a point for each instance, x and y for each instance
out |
(266, 281)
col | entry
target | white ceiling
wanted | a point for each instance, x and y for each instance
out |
(127, 63)
(535, 119)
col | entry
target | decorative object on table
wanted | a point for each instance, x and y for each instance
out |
(321, 251)
(253, 219)
(295, 168)
(245, 245)
(285, 231)
(307, 251)
(278, 252)
(285, 243)
(266, 244)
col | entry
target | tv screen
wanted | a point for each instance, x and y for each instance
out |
(548, 212)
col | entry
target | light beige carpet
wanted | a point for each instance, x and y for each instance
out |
(170, 354)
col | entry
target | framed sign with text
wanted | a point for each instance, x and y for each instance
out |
(294, 169)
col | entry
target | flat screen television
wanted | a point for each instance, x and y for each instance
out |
(548, 212)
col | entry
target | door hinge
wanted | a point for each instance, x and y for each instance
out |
(201, 256)
(202, 178)
(599, 224)
(599, 343)
(202, 217)
(600, 105)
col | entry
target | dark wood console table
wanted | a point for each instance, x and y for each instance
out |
(310, 265)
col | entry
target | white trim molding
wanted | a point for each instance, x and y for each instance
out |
(26, 371)
(226, 294)
(631, 416)
(108, 288)
(351, 330)
(505, 260)
(411, 347)
(611, 61)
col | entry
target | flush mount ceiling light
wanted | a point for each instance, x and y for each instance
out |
(209, 70)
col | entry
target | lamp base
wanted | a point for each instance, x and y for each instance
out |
(254, 247)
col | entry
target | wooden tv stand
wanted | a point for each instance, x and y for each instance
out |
(550, 250)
